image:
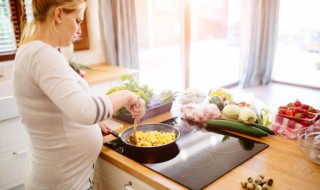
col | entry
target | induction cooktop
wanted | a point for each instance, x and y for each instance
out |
(199, 156)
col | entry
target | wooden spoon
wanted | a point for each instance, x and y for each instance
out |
(133, 136)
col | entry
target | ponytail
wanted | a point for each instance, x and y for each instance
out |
(27, 32)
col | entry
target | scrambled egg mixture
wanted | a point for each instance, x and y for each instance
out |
(153, 138)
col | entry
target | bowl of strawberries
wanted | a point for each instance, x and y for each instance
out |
(298, 112)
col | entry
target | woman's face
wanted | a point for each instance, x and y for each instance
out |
(69, 26)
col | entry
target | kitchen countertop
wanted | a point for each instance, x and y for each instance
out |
(104, 73)
(282, 160)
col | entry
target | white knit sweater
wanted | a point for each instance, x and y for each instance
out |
(60, 117)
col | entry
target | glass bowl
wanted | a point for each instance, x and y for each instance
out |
(308, 150)
(312, 137)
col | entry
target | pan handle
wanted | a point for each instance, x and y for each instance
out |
(114, 133)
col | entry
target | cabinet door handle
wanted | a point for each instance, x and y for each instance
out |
(128, 186)
(21, 152)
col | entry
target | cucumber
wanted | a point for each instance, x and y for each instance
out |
(263, 128)
(236, 127)
(256, 125)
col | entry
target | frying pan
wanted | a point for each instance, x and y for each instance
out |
(160, 127)
(151, 154)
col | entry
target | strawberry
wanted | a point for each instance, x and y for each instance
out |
(282, 108)
(290, 104)
(297, 103)
(282, 111)
(310, 116)
(304, 123)
(289, 113)
(302, 115)
(304, 106)
(297, 115)
(305, 112)
(297, 110)
(311, 109)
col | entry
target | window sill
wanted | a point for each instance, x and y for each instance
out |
(7, 56)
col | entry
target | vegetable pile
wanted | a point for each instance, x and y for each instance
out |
(223, 113)
(143, 91)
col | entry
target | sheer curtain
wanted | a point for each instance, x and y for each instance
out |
(119, 32)
(259, 41)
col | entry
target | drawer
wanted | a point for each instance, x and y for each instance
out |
(13, 167)
(110, 177)
(12, 134)
(8, 108)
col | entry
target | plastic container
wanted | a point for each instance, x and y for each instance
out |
(192, 96)
(293, 121)
(149, 113)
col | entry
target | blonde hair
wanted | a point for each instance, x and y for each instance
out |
(41, 10)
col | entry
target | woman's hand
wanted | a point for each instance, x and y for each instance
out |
(105, 131)
(104, 128)
(133, 103)
(137, 109)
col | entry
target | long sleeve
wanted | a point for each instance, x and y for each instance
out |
(51, 72)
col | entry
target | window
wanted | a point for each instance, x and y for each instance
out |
(297, 58)
(10, 12)
(13, 15)
(192, 42)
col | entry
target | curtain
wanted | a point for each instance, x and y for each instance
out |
(259, 41)
(119, 32)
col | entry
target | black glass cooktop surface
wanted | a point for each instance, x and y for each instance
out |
(199, 156)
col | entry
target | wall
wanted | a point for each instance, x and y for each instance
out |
(95, 53)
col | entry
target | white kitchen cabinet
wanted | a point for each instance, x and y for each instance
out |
(109, 177)
(13, 153)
